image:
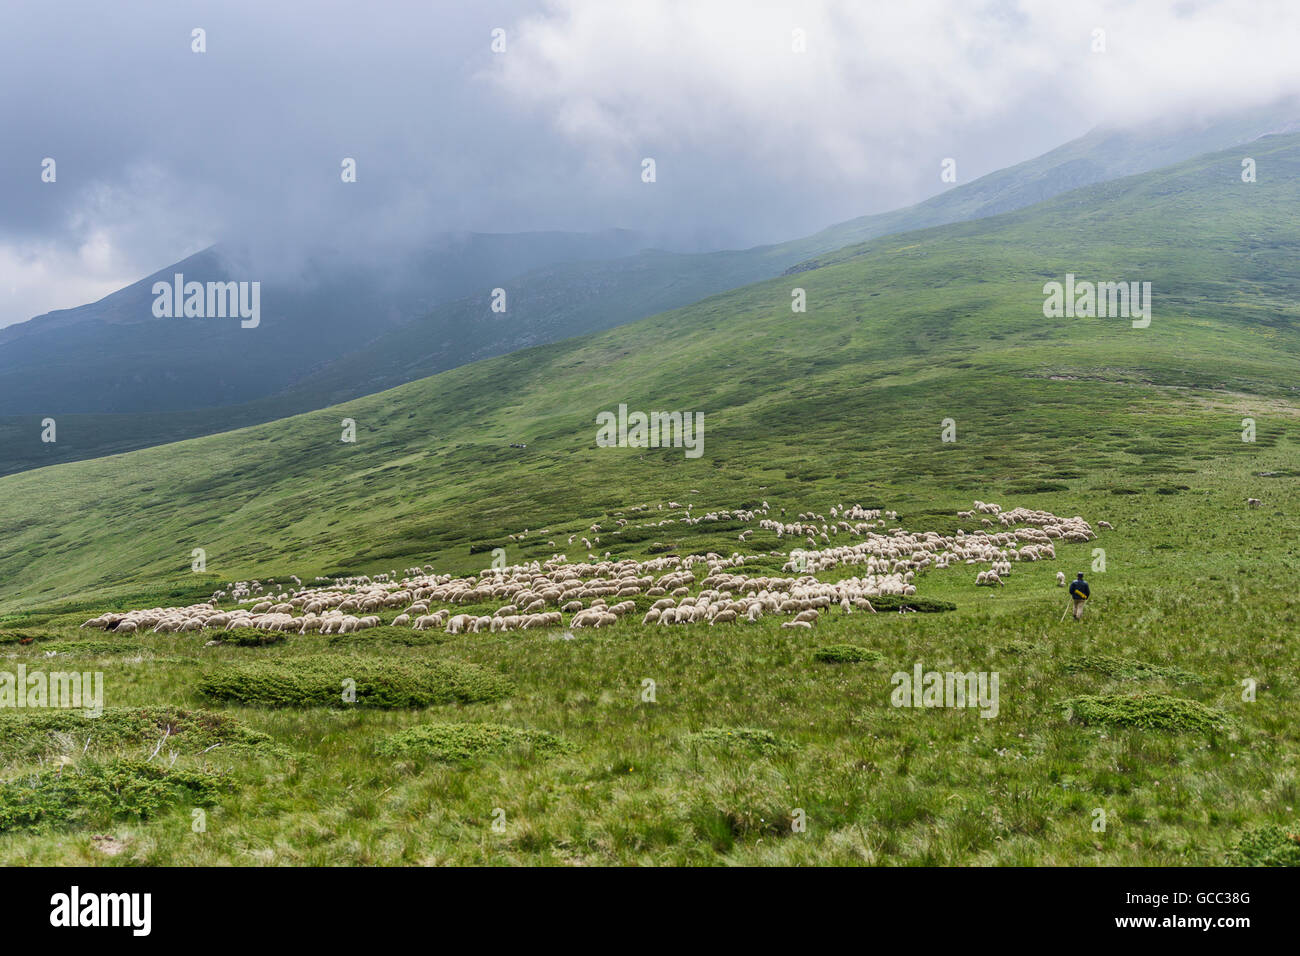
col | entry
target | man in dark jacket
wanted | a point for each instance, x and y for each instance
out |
(1079, 591)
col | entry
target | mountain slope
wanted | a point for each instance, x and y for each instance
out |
(176, 380)
(575, 298)
(115, 356)
(901, 333)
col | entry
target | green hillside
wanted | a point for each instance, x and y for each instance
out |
(1137, 711)
(179, 389)
(846, 399)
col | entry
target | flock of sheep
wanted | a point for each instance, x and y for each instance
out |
(599, 593)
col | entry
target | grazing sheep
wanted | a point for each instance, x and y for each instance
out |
(1060, 579)
(1254, 502)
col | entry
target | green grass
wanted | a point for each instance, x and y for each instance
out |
(463, 742)
(738, 740)
(844, 404)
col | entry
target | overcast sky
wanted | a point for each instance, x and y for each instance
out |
(162, 151)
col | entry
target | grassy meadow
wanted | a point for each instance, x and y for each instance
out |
(749, 732)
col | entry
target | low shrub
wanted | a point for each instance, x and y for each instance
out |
(94, 793)
(1125, 668)
(323, 681)
(1146, 712)
(845, 654)
(27, 735)
(1268, 845)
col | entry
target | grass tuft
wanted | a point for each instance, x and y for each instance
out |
(463, 742)
(739, 740)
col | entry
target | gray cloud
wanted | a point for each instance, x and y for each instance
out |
(162, 151)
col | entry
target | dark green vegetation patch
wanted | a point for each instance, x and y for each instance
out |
(739, 740)
(26, 735)
(94, 793)
(845, 654)
(1146, 711)
(1125, 668)
(17, 637)
(250, 637)
(1268, 845)
(323, 681)
(459, 742)
(896, 602)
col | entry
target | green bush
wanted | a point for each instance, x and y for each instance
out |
(18, 637)
(1125, 668)
(845, 654)
(94, 793)
(1147, 712)
(27, 735)
(460, 742)
(319, 681)
(1268, 845)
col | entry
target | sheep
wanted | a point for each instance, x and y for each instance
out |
(1254, 502)
(889, 560)
(1060, 579)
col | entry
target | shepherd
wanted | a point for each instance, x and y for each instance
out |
(1079, 591)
